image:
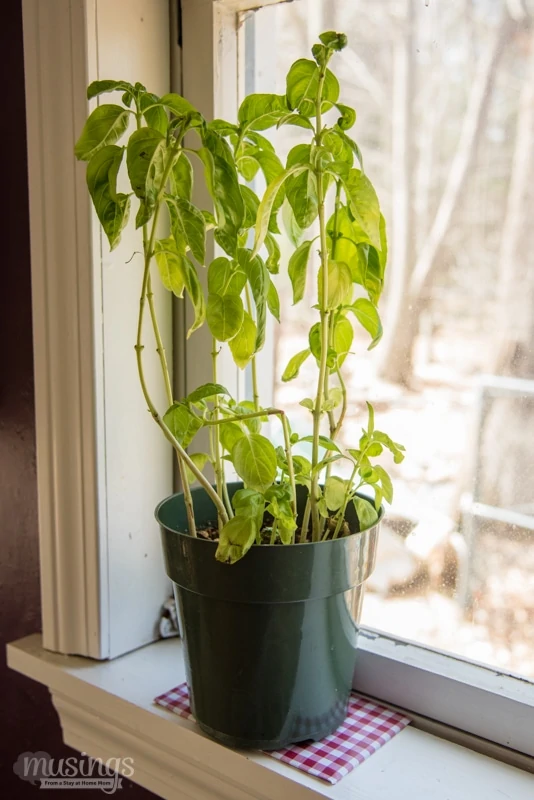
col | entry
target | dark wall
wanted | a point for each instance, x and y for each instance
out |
(28, 721)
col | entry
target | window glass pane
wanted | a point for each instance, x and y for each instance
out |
(445, 98)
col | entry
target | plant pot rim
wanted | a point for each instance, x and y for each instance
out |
(211, 542)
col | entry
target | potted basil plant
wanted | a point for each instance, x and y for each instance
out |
(269, 571)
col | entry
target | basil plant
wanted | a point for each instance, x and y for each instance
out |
(324, 172)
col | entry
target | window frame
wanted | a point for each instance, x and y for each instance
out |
(73, 473)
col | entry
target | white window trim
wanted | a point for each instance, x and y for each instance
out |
(75, 565)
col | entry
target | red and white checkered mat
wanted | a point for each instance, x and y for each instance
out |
(366, 728)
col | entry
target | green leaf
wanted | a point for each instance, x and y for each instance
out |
(252, 203)
(223, 186)
(222, 127)
(170, 265)
(145, 160)
(367, 315)
(248, 503)
(182, 423)
(99, 87)
(248, 166)
(272, 167)
(261, 111)
(254, 459)
(294, 233)
(307, 403)
(154, 113)
(301, 190)
(112, 209)
(273, 301)
(258, 279)
(343, 336)
(273, 260)
(224, 315)
(196, 295)
(325, 462)
(182, 178)
(347, 118)
(179, 106)
(199, 460)
(236, 538)
(104, 126)
(243, 344)
(371, 422)
(188, 227)
(295, 119)
(385, 481)
(266, 205)
(225, 277)
(229, 434)
(335, 490)
(366, 512)
(324, 441)
(339, 284)
(301, 465)
(395, 448)
(333, 40)
(302, 83)
(205, 391)
(364, 205)
(297, 269)
(294, 365)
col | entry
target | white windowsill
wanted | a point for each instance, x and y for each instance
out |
(106, 710)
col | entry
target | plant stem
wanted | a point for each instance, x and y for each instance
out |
(305, 522)
(273, 531)
(183, 458)
(324, 320)
(255, 393)
(226, 498)
(290, 470)
(216, 443)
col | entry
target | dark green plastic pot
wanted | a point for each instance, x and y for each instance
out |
(270, 642)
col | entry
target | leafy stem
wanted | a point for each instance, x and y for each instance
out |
(219, 477)
(253, 365)
(324, 319)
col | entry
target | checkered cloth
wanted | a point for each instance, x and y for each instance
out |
(366, 728)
